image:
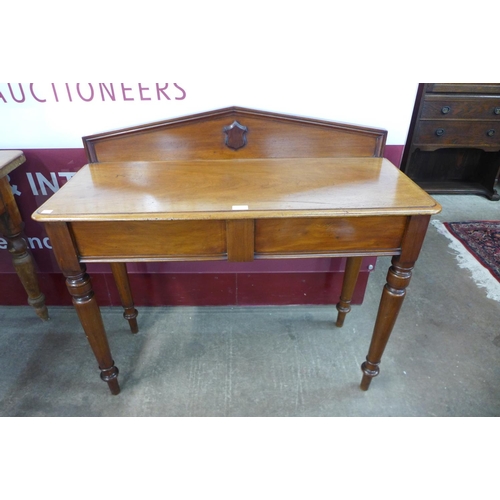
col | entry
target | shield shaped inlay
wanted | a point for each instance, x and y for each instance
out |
(235, 135)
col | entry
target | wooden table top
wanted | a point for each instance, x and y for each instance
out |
(228, 189)
(10, 159)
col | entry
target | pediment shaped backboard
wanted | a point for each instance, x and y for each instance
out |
(233, 133)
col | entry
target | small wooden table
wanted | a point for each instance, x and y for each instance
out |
(236, 210)
(12, 226)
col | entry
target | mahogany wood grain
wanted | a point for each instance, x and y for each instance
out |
(201, 136)
(328, 236)
(133, 241)
(240, 240)
(200, 190)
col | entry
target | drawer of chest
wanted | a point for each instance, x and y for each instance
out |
(466, 107)
(458, 133)
(464, 88)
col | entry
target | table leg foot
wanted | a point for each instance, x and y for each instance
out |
(110, 375)
(38, 304)
(341, 316)
(119, 270)
(370, 370)
(132, 321)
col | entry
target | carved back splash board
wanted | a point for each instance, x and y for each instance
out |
(235, 133)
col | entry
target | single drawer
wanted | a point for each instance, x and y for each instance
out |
(464, 88)
(452, 107)
(458, 133)
(155, 240)
(327, 236)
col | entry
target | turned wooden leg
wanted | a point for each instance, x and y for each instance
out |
(25, 269)
(12, 226)
(393, 294)
(80, 288)
(353, 265)
(120, 274)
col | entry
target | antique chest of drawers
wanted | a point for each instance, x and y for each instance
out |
(453, 144)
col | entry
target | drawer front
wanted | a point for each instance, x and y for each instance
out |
(444, 133)
(446, 107)
(464, 88)
(317, 236)
(177, 240)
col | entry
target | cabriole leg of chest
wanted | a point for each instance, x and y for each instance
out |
(80, 288)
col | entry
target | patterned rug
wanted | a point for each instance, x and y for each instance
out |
(482, 240)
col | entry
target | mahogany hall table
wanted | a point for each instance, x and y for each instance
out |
(236, 210)
(12, 227)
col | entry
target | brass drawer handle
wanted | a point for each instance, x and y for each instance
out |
(490, 132)
(445, 110)
(496, 111)
(440, 132)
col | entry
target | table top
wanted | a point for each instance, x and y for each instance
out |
(10, 160)
(236, 189)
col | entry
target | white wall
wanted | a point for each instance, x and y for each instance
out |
(358, 63)
(53, 115)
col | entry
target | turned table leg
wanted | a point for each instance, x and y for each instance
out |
(120, 275)
(80, 288)
(393, 294)
(12, 226)
(353, 266)
(25, 269)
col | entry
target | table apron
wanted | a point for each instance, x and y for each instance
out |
(111, 241)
